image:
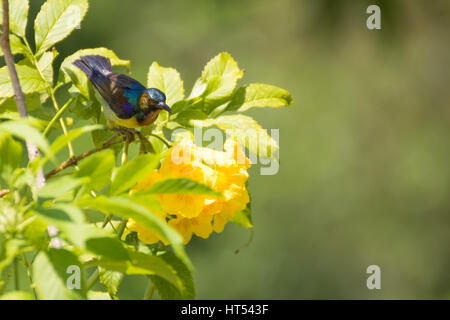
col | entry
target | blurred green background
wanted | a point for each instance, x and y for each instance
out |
(364, 151)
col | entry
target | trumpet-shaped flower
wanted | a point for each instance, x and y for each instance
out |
(224, 171)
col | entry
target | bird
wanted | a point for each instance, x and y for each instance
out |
(129, 104)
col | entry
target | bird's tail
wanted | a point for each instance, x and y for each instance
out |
(94, 65)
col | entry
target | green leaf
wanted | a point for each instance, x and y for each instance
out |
(34, 102)
(10, 157)
(17, 46)
(146, 200)
(109, 247)
(217, 82)
(97, 168)
(18, 14)
(141, 263)
(16, 295)
(99, 137)
(133, 171)
(25, 132)
(86, 108)
(78, 78)
(11, 248)
(189, 114)
(56, 20)
(60, 186)
(45, 64)
(29, 78)
(36, 233)
(248, 132)
(70, 221)
(61, 215)
(169, 292)
(181, 186)
(126, 208)
(243, 218)
(111, 280)
(51, 272)
(259, 95)
(167, 80)
(98, 295)
(63, 140)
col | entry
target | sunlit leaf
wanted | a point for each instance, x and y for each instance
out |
(243, 218)
(51, 271)
(36, 233)
(259, 95)
(111, 280)
(34, 102)
(25, 132)
(97, 168)
(180, 186)
(98, 295)
(59, 186)
(248, 132)
(71, 135)
(126, 208)
(29, 78)
(45, 64)
(129, 174)
(141, 263)
(17, 46)
(167, 80)
(10, 156)
(18, 14)
(16, 295)
(217, 82)
(56, 20)
(71, 223)
(166, 290)
(11, 248)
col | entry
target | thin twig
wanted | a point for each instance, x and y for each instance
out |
(51, 93)
(30, 276)
(74, 160)
(58, 115)
(150, 289)
(61, 120)
(18, 93)
(16, 275)
(93, 279)
(163, 140)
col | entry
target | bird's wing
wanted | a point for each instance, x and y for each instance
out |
(121, 93)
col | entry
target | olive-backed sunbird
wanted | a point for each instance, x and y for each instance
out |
(128, 103)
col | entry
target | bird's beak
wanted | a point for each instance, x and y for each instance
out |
(164, 106)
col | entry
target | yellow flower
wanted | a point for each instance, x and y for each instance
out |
(224, 171)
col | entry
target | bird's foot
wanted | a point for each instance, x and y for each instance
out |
(129, 134)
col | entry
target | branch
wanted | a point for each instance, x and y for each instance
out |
(18, 94)
(19, 97)
(74, 160)
(3, 192)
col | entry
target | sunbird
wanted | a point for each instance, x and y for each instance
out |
(128, 103)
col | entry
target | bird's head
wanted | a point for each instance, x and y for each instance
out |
(155, 99)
